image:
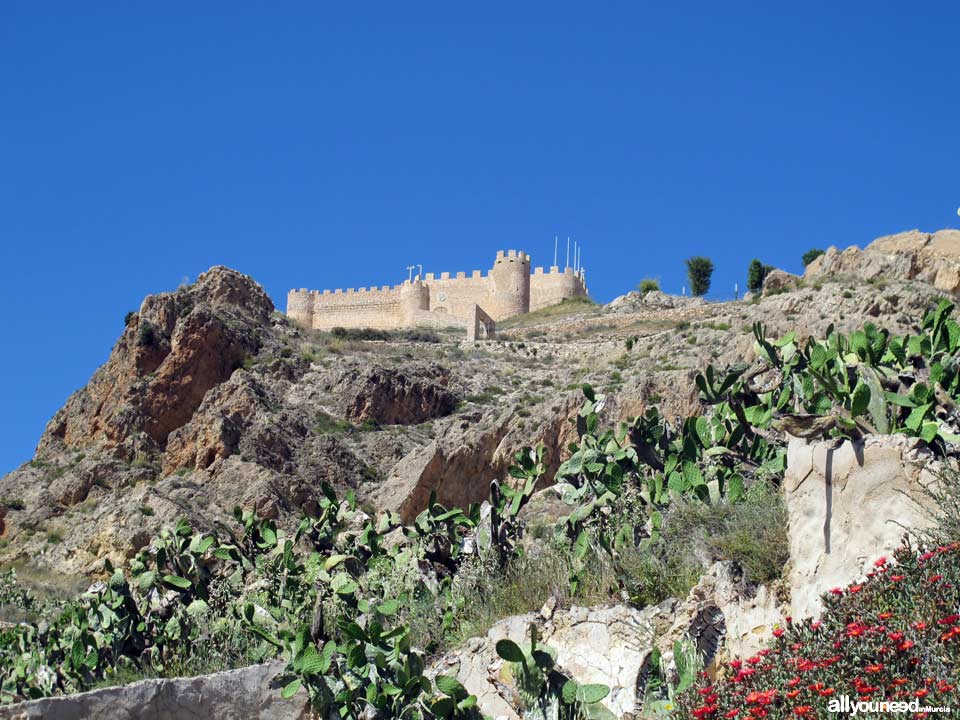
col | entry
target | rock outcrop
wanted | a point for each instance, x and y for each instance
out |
(171, 353)
(249, 692)
(778, 281)
(933, 258)
(847, 505)
(607, 645)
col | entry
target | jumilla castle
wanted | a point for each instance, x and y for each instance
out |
(475, 301)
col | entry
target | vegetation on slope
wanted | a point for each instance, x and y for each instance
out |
(355, 604)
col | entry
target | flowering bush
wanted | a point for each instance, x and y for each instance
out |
(893, 637)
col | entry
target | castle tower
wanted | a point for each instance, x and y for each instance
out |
(510, 284)
(414, 297)
(300, 307)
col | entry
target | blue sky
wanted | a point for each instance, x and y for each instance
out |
(314, 145)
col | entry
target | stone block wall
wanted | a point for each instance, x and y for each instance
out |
(555, 286)
(508, 289)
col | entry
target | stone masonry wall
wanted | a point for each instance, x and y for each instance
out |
(509, 288)
(553, 287)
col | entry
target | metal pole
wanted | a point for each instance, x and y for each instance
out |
(420, 271)
(555, 239)
(568, 254)
(410, 271)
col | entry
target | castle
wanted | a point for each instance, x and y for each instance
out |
(475, 302)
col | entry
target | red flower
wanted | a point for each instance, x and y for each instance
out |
(778, 632)
(836, 591)
(952, 632)
(827, 692)
(934, 578)
(922, 693)
(736, 664)
(755, 660)
(899, 681)
(897, 578)
(731, 713)
(895, 636)
(794, 682)
(791, 694)
(874, 668)
(855, 588)
(944, 686)
(926, 556)
(885, 615)
(880, 562)
(919, 625)
(815, 625)
(802, 710)
(949, 619)
(906, 645)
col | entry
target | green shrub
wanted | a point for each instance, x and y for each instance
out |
(810, 255)
(699, 272)
(326, 424)
(648, 285)
(147, 335)
(755, 274)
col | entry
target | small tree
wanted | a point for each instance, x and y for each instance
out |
(755, 274)
(649, 285)
(699, 270)
(810, 255)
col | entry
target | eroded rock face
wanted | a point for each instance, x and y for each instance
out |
(933, 258)
(607, 645)
(847, 505)
(178, 347)
(249, 692)
(388, 396)
(724, 617)
(779, 281)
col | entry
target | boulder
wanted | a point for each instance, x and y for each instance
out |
(724, 617)
(250, 692)
(847, 505)
(777, 281)
(607, 645)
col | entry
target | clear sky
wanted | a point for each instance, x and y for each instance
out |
(323, 145)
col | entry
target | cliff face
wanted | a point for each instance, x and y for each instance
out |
(932, 258)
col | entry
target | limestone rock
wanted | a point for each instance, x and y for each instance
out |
(179, 346)
(847, 505)
(606, 645)
(723, 616)
(249, 692)
(777, 281)
(395, 397)
(933, 258)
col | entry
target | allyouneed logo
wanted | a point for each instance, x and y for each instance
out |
(844, 704)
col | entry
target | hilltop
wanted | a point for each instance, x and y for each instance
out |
(641, 488)
(211, 398)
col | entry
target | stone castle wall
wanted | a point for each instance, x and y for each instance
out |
(442, 300)
(553, 287)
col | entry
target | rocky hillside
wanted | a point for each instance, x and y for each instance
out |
(210, 399)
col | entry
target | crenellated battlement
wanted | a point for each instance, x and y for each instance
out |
(508, 288)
